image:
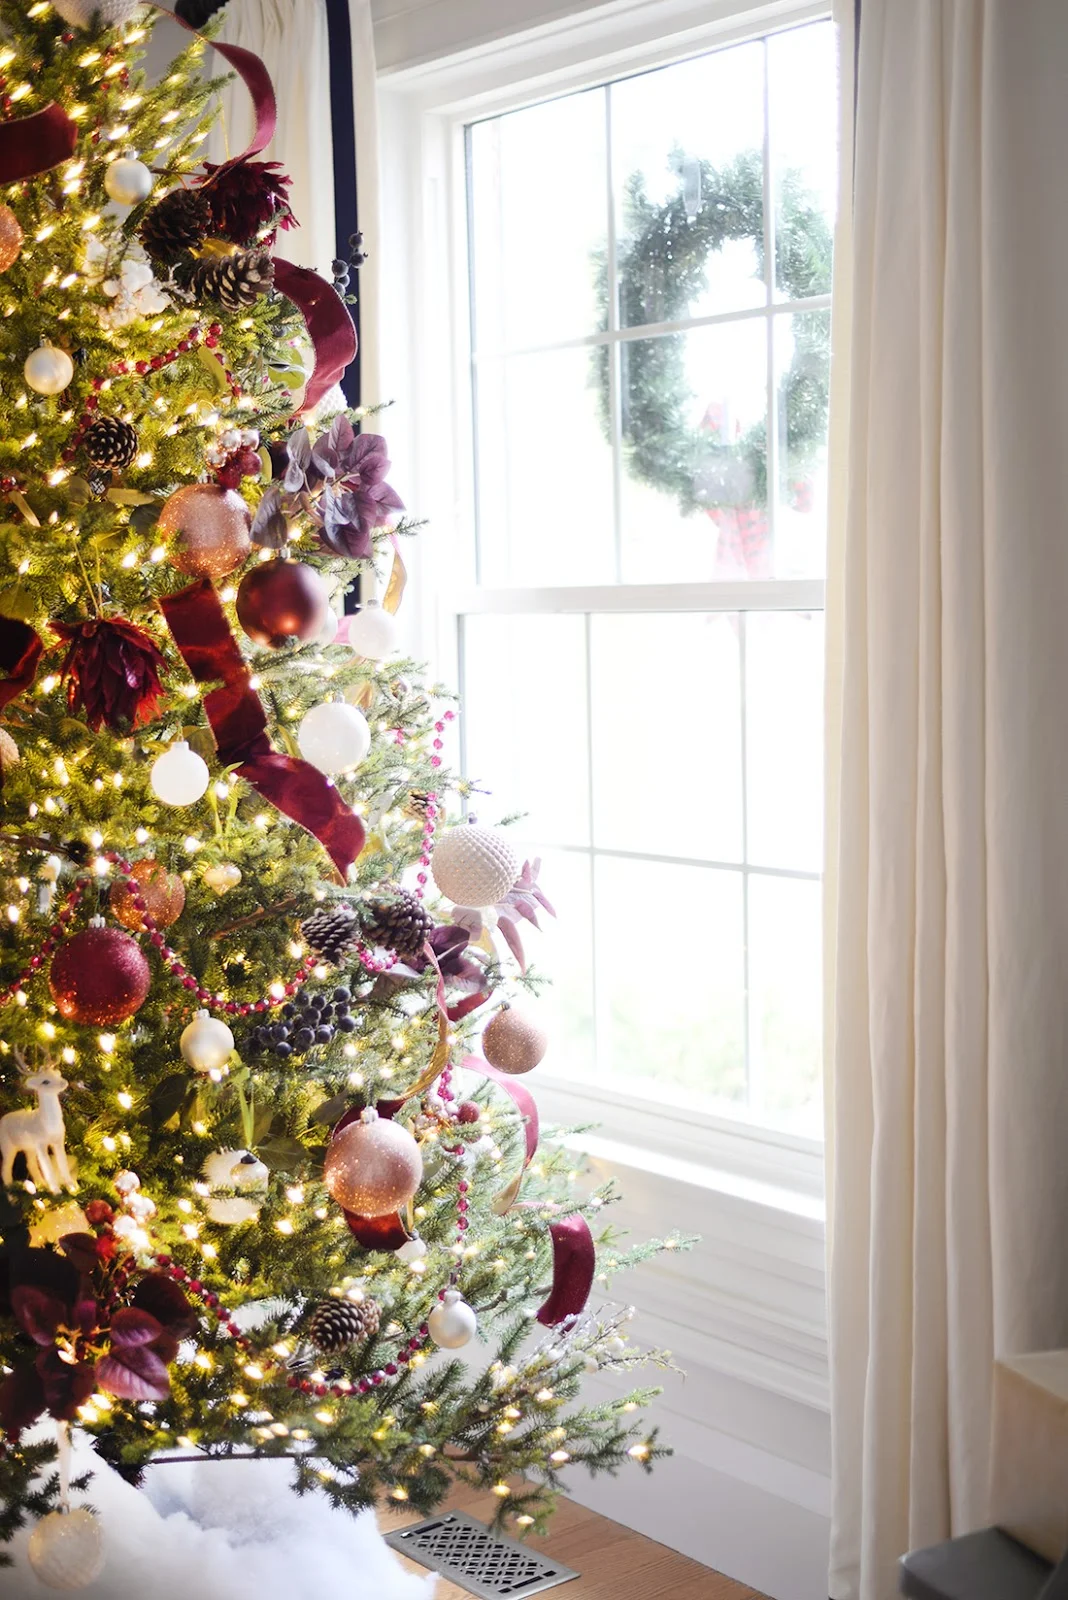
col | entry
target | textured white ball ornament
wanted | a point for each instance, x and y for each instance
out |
(128, 182)
(206, 1043)
(372, 633)
(474, 866)
(48, 370)
(179, 777)
(452, 1323)
(334, 736)
(66, 1549)
(112, 13)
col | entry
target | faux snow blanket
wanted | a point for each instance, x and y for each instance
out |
(223, 1530)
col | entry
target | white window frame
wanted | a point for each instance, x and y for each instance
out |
(427, 356)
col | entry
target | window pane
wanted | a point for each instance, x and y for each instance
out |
(524, 722)
(785, 999)
(539, 202)
(803, 100)
(802, 378)
(688, 1035)
(687, 728)
(544, 473)
(687, 154)
(784, 739)
(563, 952)
(694, 491)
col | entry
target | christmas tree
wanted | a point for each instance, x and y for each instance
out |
(256, 1172)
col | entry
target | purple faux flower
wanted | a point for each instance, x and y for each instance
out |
(339, 482)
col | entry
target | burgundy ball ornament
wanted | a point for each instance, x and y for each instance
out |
(99, 976)
(512, 1043)
(373, 1166)
(209, 528)
(281, 601)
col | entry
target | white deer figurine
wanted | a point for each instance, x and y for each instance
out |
(38, 1134)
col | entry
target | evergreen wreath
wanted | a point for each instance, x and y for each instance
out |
(662, 269)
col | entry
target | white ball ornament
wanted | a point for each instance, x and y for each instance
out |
(66, 1549)
(452, 1323)
(128, 182)
(330, 627)
(48, 369)
(112, 13)
(474, 866)
(372, 633)
(179, 777)
(334, 736)
(235, 1169)
(206, 1044)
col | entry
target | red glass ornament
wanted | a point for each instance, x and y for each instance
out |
(280, 601)
(100, 976)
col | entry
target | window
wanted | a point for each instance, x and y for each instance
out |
(641, 650)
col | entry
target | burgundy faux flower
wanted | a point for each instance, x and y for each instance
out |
(112, 671)
(339, 481)
(246, 196)
(82, 1343)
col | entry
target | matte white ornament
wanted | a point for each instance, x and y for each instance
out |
(334, 736)
(38, 1135)
(414, 1250)
(474, 866)
(66, 1549)
(48, 370)
(128, 182)
(112, 13)
(330, 627)
(235, 1169)
(179, 777)
(372, 633)
(222, 878)
(206, 1043)
(452, 1323)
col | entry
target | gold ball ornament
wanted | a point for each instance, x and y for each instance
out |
(66, 1549)
(513, 1043)
(50, 1227)
(222, 877)
(10, 755)
(209, 527)
(11, 237)
(373, 1166)
(163, 893)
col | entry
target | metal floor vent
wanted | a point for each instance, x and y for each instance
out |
(467, 1553)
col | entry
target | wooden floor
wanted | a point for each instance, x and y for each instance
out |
(614, 1563)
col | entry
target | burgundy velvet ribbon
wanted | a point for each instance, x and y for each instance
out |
(330, 327)
(20, 652)
(35, 144)
(239, 724)
(574, 1264)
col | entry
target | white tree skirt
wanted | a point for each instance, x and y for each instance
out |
(223, 1530)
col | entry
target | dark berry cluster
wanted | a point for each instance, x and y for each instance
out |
(311, 1020)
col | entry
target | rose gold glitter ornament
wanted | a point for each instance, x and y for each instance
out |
(373, 1166)
(163, 893)
(209, 527)
(512, 1043)
(10, 238)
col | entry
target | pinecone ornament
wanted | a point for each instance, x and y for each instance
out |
(235, 282)
(110, 442)
(175, 225)
(331, 932)
(335, 1324)
(399, 924)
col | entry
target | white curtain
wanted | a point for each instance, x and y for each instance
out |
(949, 717)
(292, 38)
